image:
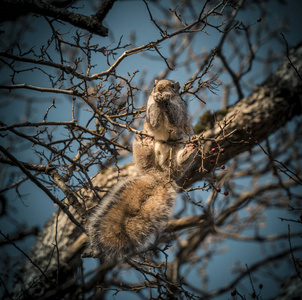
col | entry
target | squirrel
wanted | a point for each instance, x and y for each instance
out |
(137, 209)
(167, 120)
(166, 114)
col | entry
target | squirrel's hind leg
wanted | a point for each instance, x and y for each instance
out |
(186, 155)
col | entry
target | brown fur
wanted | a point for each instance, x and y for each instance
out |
(134, 218)
(164, 123)
(137, 209)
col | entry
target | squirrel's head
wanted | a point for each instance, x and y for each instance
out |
(166, 85)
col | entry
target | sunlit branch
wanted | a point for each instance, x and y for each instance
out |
(40, 89)
(30, 124)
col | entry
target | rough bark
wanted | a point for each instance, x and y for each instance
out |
(58, 247)
(253, 119)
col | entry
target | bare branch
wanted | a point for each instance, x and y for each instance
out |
(91, 23)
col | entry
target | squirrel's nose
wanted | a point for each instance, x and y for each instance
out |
(160, 88)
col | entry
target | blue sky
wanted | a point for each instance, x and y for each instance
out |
(122, 20)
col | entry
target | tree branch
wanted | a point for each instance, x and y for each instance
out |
(42, 187)
(91, 23)
(275, 102)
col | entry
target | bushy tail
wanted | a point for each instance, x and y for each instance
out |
(130, 215)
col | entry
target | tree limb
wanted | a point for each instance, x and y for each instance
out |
(91, 23)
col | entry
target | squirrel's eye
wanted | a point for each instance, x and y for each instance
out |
(173, 85)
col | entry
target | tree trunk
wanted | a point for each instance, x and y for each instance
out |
(57, 251)
(253, 119)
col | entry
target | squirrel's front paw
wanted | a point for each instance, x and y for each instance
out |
(148, 141)
(157, 97)
(166, 96)
(161, 98)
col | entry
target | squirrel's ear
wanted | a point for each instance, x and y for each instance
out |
(177, 86)
(155, 82)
